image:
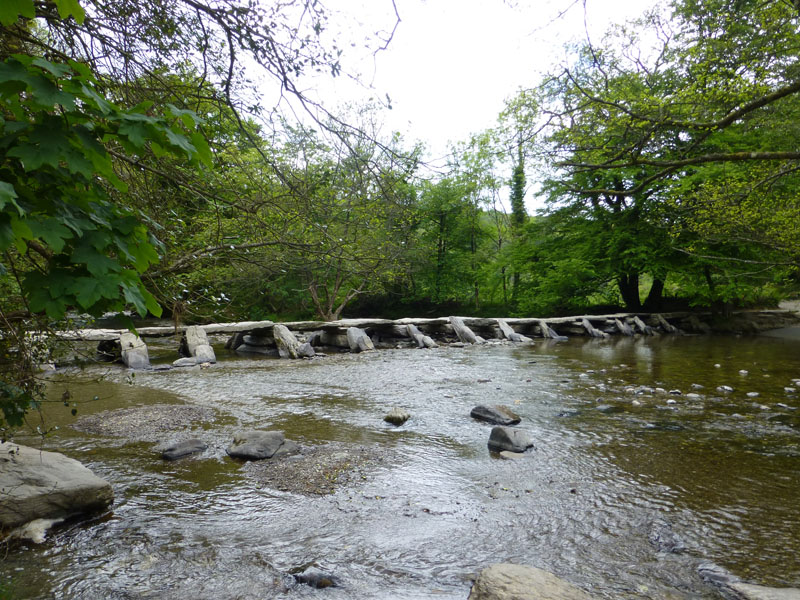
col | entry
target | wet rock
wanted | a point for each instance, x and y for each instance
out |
(306, 350)
(189, 361)
(736, 588)
(508, 438)
(204, 353)
(358, 340)
(249, 349)
(511, 455)
(748, 591)
(35, 484)
(498, 414)
(193, 337)
(517, 582)
(286, 342)
(184, 448)
(716, 574)
(133, 351)
(726, 389)
(397, 416)
(609, 409)
(317, 579)
(259, 445)
(753, 394)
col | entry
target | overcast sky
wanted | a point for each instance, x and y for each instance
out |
(452, 63)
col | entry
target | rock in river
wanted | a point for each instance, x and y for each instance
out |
(184, 448)
(258, 445)
(35, 484)
(748, 591)
(397, 416)
(498, 414)
(317, 580)
(518, 582)
(508, 438)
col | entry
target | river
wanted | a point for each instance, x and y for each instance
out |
(614, 461)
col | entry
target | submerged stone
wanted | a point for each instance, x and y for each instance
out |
(519, 582)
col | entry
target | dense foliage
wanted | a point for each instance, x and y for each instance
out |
(139, 171)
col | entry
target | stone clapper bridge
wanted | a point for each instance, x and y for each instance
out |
(299, 339)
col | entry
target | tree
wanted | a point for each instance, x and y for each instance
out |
(665, 131)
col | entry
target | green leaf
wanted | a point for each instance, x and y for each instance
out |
(181, 141)
(97, 263)
(8, 195)
(51, 231)
(11, 10)
(203, 150)
(70, 7)
(87, 291)
(189, 117)
(56, 69)
(136, 132)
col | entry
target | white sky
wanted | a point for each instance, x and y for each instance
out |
(452, 63)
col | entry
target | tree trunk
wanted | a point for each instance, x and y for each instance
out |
(629, 290)
(654, 297)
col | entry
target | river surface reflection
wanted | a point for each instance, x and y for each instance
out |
(615, 458)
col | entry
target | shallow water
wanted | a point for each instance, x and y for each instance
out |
(722, 470)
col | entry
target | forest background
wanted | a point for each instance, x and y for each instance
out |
(140, 171)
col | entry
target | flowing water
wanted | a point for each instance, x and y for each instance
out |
(614, 462)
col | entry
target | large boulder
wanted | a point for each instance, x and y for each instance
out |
(258, 445)
(508, 438)
(133, 351)
(35, 484)
(517, 582)
(498, 414)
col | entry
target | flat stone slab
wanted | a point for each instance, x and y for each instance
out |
(518, 582)
(35, 484)
(498, 414)
(259, 445)
(508, 438)
(511, 455)
(184, 448)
